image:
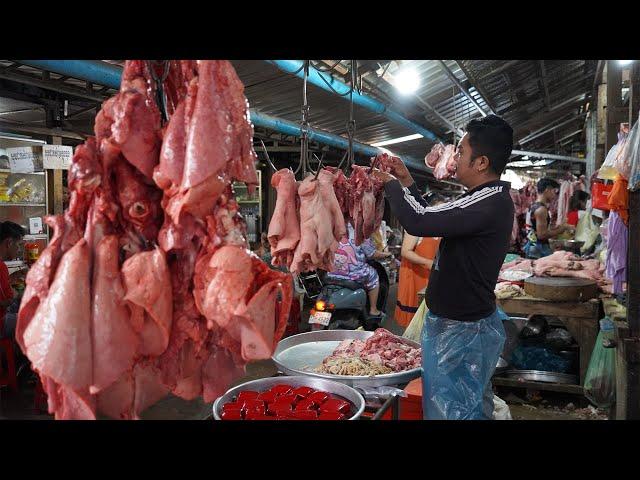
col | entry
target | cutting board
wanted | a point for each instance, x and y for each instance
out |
(561, 289)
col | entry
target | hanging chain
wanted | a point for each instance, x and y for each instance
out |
(304, 127)
(351, 124)
(455, 115)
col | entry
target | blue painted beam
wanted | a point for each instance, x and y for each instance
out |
(330, 84)
(106, 74)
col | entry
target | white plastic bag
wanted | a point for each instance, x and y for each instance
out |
(587, 231)
(414, 329)
(614, 159)
(500, 409)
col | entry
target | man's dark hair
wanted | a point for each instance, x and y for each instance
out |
(577, 198)
(11, 230)
(545, 183)
(492, 137)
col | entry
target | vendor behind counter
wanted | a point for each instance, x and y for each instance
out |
(11, 237)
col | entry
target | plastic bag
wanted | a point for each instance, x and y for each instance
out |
(459, 359)
(414, 329)
(632, 160)
(559, 338)
(614, 159)
(587, 231)
(539, 358)
(600, 381)
(500, 409)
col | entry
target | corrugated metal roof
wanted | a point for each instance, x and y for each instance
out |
(512, 88)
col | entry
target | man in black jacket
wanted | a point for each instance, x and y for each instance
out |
(463, 334)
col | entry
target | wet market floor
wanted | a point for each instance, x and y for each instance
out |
(523, 405)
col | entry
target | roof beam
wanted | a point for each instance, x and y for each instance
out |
(464, 91)
(475, 84)
(548, 129)
(545, 85)
(502, 67)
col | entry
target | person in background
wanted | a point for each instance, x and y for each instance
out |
(417, 254)
(351, 264)
(10, 238)
(577, 203)
(539, 229)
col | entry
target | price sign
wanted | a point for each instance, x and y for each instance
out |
(57, 157)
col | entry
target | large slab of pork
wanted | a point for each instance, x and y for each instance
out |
(442, 159)
(115, 314)
(284, 226)
(321, 224)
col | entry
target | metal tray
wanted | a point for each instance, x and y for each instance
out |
(308, 350)
(542, 376)
(264, 384)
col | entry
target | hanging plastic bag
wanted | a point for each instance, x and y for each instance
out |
(632, 159)
(414, 329)
(600, 381)
(501, 410)
(614, 159)
(587, 231)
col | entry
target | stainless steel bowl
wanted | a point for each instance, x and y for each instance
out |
(264, 384)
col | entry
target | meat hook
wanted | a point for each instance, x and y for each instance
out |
(319, 165)
(268, 158)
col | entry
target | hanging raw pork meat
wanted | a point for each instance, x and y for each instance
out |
(129, 301)
(284, 227)
(325, 206)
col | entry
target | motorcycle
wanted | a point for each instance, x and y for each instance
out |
(344, 304)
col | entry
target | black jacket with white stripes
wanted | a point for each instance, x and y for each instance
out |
(475, 230)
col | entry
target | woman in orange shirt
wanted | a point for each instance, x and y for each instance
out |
(417, 259)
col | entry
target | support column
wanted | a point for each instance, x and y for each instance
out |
(54, 185)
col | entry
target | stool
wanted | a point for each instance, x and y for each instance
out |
(8, 378)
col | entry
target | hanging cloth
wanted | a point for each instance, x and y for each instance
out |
(412, 279)
(618, 199)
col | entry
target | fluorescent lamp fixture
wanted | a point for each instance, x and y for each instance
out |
(406, 81)
(397, 140)
(625, 62)
(513, 178)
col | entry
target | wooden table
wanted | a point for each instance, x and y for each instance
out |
(580, 318)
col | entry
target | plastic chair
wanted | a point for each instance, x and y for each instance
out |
(8, 378)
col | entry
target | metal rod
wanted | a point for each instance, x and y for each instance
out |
(268, 158)
(550, 156)
(539, 133)
(464, 91)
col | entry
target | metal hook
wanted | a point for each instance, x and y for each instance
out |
(267, 155)
(319, 165)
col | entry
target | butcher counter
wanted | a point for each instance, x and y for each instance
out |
(581, 320)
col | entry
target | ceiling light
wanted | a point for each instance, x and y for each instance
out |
(415, 136)
(406, 81)
(624, 62)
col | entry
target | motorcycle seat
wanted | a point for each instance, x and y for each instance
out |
(350, 284)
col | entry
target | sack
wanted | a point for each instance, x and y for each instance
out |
(600, 381)
(587, 231)
(414, 330)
